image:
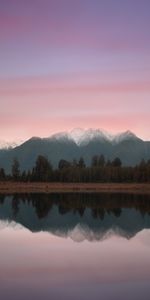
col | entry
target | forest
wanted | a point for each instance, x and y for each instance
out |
(100, 170)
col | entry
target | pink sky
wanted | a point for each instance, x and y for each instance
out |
(67, 64)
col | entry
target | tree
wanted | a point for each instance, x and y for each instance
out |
(24, 176)
(81, 163)
(15, 169)
(94, 161)
(108, 163)
(64, 164)
(148, 162)
(2, 174)
(42, 170)
(142, 164)
(74, 163)
(101, 161)
(116, 162)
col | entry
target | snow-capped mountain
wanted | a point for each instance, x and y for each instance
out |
(10, 144)
(61, 136)
(75, 144)
(79, 136)
(127, 135)
(85, 136)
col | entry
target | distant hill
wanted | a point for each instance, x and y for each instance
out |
(87, 143)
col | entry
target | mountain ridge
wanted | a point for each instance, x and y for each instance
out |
(68, 146)
(83, 136)
(79, 135)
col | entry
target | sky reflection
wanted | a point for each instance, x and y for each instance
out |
(43, 265)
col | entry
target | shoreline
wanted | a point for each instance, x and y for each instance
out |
(43, 187)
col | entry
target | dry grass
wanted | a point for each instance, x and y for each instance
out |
(42, 187)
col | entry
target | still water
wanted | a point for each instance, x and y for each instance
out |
(75, 246)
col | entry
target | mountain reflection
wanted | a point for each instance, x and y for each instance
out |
(78, 216)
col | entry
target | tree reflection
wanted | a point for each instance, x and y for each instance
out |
(63, 212)
(15, 205)
(99, 204)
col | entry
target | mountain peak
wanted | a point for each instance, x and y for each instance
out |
(126, 135)
(34, 138)
(5, 145)
(62, 136)
(82, 136)
(77, 134)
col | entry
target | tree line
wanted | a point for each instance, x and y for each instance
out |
(100, 170)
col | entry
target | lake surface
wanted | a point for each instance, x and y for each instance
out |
(75, 246)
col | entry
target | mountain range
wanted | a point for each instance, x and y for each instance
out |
(72, 145)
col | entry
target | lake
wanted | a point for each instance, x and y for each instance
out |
(75, 246)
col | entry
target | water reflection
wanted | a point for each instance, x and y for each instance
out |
(78, 216)
(38, 262)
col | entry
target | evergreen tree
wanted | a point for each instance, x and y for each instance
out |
(15, 170)
(2, 174)
(94, 161)
(101, 161)
(74, 163)
(117, 162)
(81, 163)
(42, 170)
(24, 176)
(64, 164)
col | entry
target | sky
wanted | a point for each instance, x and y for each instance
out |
(74, 63)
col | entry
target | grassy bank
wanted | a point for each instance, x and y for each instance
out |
(42, 187)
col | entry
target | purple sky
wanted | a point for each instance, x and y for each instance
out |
(67, 63)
